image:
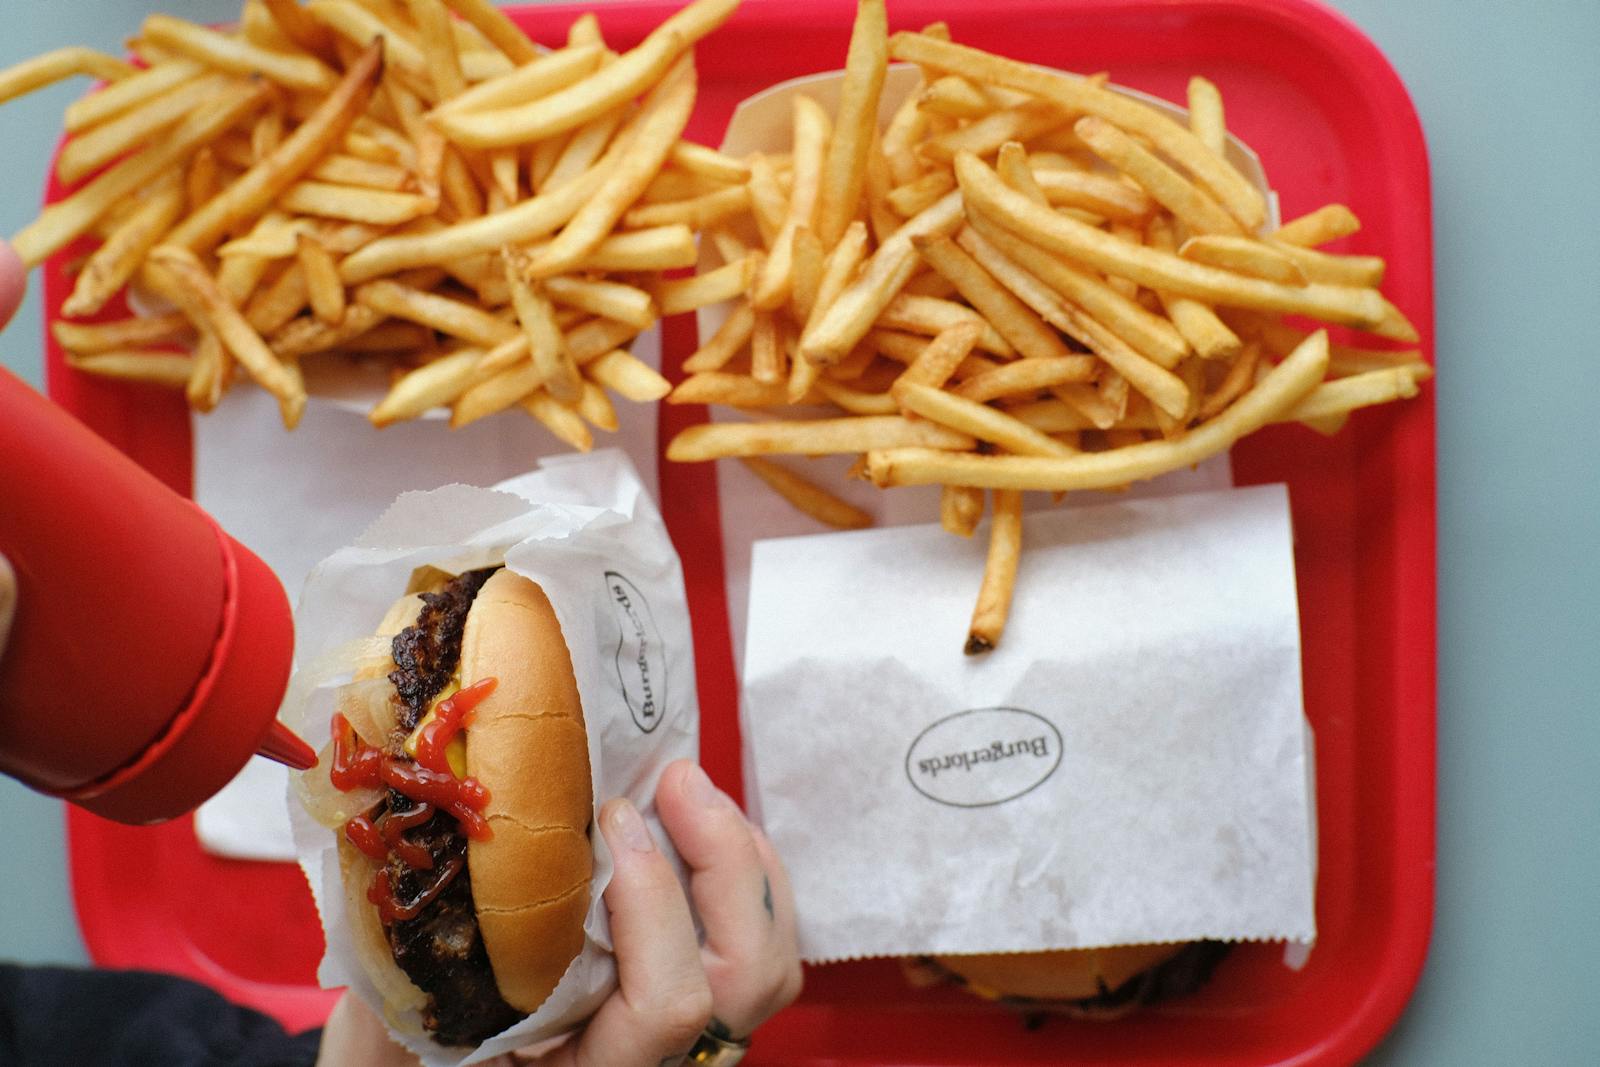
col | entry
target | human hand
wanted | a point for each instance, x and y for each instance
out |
(670, 987)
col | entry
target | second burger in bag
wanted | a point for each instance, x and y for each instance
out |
(458, 780)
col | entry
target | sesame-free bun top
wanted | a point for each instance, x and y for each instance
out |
(527, 745)
(1067, 974)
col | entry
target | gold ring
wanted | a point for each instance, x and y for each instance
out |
(717, 1050)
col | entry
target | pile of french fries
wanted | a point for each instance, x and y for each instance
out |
(413, 181)
(1024, 281)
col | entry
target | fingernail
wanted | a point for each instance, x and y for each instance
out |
(630, 828)
(699, 789)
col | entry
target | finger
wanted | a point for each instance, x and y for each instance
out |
(13, 279)
(729, 885)
(662, 1001)
(782, 890)
(354, 1037)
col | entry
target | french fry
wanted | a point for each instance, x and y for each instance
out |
(560, 420)
(849, 317)
(960, 509)
(629, 377)
(354, 204)
(1020, 123)
(91, 150)
(731, 337)
(844, 170)
(767, 355)
(733, 390)
(1335, 270)
(999, 574)
(940, 358)
(930, 315)
(914, 196)
(497, 28)
(806, 496)
(532, 80)
(1025, 377)
(1362, 308)
(492, 394)
(305, 336)
(694, 158)
(121, 96)
(67, 219)
(1241, 375)
(818, 437)
(546, 345)
(1275, 394)
(1190, 204)
(1014, 169)
(94, 338)
(612, 300)
(58, 65)
(439, 49)
(582, 148)
(854, 401)
(271, 308)
(296, 72)
(657, 248)
(1205, 115)
(156, 368)
(302, 28)
(596, 408)
(324, 290)
(466, 321)
(811, 132)
(978, 420)
(956, 97)
(1011, 318)
(198, 294)
(701, 212)
(210, 369)
(1244, 255)
(110, 266)
(311, 140)
(620, 81)
(646, 142)
(677, 295)
(1200, 326)
(1327, 223)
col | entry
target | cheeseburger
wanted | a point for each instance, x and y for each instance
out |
(458, 782)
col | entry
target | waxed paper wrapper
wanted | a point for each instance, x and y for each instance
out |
(573, 526)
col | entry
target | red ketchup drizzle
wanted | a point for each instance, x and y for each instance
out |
(428, 781)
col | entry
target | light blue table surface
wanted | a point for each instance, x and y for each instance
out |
(1509, 94)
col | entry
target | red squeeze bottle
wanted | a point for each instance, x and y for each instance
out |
(149, 650)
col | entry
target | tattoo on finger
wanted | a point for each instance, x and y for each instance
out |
(766, 895)
(719, 1030)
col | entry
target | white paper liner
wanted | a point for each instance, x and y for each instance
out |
(585, 530)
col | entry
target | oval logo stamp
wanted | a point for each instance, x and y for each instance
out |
(983, 756)
(641, 659)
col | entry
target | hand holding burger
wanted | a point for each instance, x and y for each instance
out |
(671, 987)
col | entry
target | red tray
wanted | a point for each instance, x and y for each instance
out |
(1332, 122)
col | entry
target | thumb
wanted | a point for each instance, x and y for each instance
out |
(13, 279)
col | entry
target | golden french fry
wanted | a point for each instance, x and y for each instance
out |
(237, 56)
(1190, 204)
(546, 344)
(1020, 123)
(271, 308)
(1205, 114)
(307, 335)
(845, 167)
(854, 401)
(655, 249)
(814, 438)
(731, 337)
(353, 203)
(938, 360)
(157, 368)
(806, 273)
(466, 321)
(582, 148)
(611, 300)
(701, 212)
(979, 420)
(1245, 255)
(1241, 375)
(497, 27)
(91, 150)
(1335, 398)
(955, 97)
(848, 318)
(591, 340)
(1025, 377)
(530, 81)
(1335, 270)
(629, 377)
(733, 390)
(612, 85)
(1278, 392)
(1011, 318)
(811, 132)
(694, 158)
(1327, 223)
(767, 202)
(93, 338)
(110, 266)
(677, 295)
(960, 509)
(324, 290)
(120, 97)
(1200, 326)
(910, 350)
(199, 296)
(999, 574)
(211, 367)
(808, 497)
(489, 394)
(918, 195)
(64, 220)
(311, 140)
(1014, 169)
(929, 315)
(986, 193)
(301, 27)
(560, 420)
(596, 408)
(766, 350)
(1083, 96)
(646, 143)
(62, 63)
(438, 47)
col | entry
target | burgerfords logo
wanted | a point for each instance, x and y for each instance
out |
(641, 661)
(983, 756)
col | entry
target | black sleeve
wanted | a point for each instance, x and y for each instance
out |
(74, 1017)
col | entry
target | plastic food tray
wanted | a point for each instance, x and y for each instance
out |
(1332, 122)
